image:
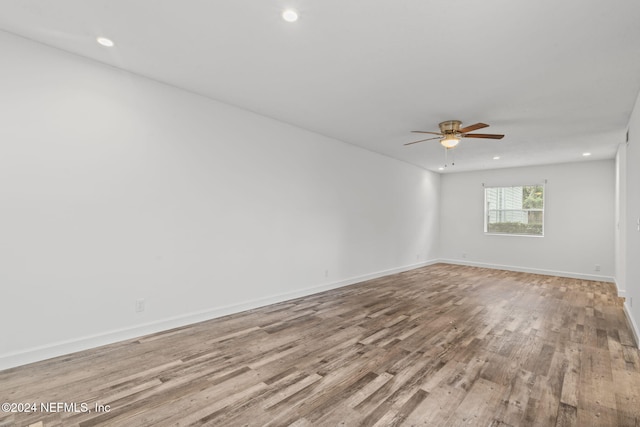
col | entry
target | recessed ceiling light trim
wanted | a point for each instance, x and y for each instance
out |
(496, 157)
(105, 41)
(586, 154)
(290, 15)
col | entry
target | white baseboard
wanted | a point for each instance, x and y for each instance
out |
(632, 322)
(530, 270)
(36, 354)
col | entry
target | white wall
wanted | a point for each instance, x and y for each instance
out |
(114, 188)
(578, 228)
(629, 276)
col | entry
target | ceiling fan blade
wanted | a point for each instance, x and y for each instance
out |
(473, 127)
(482, 135)
(428, 139)
(422, 131)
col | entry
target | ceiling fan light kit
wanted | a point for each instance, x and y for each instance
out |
(449, 141)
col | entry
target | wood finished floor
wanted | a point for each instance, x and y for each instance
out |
(438, 346)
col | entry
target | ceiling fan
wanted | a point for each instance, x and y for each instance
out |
(451, 133)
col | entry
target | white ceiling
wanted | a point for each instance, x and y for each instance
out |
(558, 78)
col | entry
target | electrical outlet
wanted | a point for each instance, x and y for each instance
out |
(464, 255)
(326, 273)
(597, 267)
(139, 305)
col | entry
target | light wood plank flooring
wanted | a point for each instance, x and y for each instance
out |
(438, 346)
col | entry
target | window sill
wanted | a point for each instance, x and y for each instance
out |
(513, 234)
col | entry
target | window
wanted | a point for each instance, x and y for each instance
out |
(514, 210)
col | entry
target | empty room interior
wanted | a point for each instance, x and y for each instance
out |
(237, 213)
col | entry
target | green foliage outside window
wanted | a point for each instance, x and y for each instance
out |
(514, 228)
(532, 197)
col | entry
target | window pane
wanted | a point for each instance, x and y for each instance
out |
(514, 210)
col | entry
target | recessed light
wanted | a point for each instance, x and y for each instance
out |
(290, 15)
(586, 154)
(496, 158)
(105, 41)
(440, 168)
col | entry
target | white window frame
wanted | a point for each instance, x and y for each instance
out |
(486, 210)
